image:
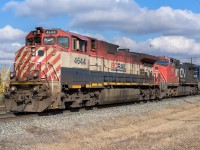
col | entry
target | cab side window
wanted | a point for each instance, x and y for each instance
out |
(33, 41)
(63, 41)
(79, 45)
(93, 44)
(29, 42)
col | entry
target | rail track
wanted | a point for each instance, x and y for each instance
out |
(9, 115)
(6, 115)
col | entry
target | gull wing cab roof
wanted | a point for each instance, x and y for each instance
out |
(81, 37)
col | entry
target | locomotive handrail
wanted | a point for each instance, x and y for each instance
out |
(51, 78)
(163, 76)
(54, 71)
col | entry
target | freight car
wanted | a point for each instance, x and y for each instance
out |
(58, 69)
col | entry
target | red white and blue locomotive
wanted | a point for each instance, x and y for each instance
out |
(57, 69)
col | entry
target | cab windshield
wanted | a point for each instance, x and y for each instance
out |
(33, 41)
(63, 41)
(49, 40)
(163, 63)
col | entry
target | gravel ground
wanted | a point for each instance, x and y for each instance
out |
(25, 133)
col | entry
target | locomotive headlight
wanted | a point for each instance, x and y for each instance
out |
(33, 49)
(13, 88)
(12, 75)
(35, 74)
(33, 53)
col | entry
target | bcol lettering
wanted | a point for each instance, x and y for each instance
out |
(182, 73)
(118, 67)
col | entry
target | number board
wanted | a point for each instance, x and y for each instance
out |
(51, 32)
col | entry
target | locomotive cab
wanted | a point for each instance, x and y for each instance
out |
(35, 81)
(166, 71)
(175, 78)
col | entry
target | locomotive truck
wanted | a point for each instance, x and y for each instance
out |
(58, 69)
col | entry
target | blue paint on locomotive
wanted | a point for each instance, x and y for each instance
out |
(198, 73)
(72, 76)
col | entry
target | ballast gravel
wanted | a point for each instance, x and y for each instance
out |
(24, 133)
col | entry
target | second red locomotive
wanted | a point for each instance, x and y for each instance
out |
(57, 69)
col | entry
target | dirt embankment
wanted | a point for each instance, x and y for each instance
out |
(175, 128)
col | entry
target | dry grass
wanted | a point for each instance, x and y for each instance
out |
(172, 128)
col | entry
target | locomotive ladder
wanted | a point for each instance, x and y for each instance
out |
(162, 81)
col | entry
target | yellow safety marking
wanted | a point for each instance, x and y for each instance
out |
(145, 83)
(88, 85)
(25, 83)
(94, 84)
(105, 83)
(173, 84)
(52, 107)
(76, 86)
(100, 84)
(134, 84)
(127, 83)
(118, 83)
(112, 83)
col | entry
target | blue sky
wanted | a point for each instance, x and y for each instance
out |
(193, 5)
(171, 27)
